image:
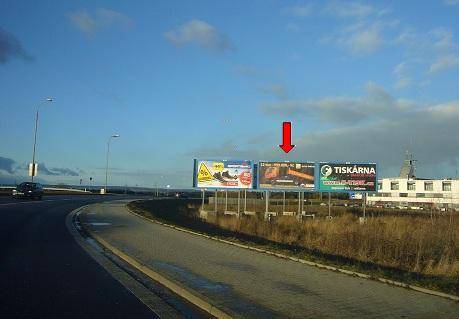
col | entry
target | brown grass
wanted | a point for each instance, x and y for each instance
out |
(409, 243)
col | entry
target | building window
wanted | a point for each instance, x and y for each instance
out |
(394, 186)
(428, 186)
(403, 194)
(411, 186)
(446, 187)
(380, 186)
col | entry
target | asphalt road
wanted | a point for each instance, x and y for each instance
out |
(44, 273)
(252, 284)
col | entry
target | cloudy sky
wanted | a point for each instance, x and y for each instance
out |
(360, 81)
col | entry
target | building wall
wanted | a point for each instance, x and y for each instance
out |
(414, 192)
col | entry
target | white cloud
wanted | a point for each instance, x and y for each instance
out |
(432, 129)
(377, 104)
(292, 27)
(373, 127)
(349, 9)
(400, 69)
(359, 38)
(403, 79)
(300, 11)
(277, 90)
(102, 18)
(451, 2)
(201, 33)
(384, 129)
(444, 63)
(403, 83)
(364, 41)
(436, 49)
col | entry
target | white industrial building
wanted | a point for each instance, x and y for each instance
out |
(408, 191)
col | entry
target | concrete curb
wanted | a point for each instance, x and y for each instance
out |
(175, 288)
(303, 261)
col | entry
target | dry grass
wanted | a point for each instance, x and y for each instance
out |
(409, 243)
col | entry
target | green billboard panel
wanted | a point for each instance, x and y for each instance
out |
(348, 177)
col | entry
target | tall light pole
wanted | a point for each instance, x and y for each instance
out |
(49, 99)
(106, 167)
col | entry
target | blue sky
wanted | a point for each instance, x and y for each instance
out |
(177, 80)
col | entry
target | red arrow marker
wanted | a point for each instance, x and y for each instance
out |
(286, 145)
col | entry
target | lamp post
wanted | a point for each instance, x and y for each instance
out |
(106, 167)
(49, 99)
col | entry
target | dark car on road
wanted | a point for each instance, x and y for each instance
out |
(28, 189)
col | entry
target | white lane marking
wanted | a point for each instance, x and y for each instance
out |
(36, 201)
(98, 224)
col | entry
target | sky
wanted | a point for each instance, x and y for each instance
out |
(360, 81)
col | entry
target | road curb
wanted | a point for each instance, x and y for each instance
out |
(304, 261)
(175, 288)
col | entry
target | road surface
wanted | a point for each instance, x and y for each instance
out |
(44, 273)
(252, 284)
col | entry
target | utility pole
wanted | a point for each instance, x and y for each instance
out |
(34, 165)
(106, 167)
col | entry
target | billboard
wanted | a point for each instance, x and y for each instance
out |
(348, 177)
(223, 174)
(286, 175)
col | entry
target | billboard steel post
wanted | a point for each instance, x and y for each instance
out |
(215, 201)
(302, 202)
(329, 204)
(266, 201)
(226, 200)
(299, 203)
(283, 203)
(364, 204)
(245, 200)
(203, 196)
(238, 201)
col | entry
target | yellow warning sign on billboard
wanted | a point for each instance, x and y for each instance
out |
(204, 174)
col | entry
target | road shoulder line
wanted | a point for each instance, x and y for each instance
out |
(155, 276)
(159, 308)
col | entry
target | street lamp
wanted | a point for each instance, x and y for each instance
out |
(48, 99)
(106, 167)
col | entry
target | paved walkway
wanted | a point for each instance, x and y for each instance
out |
(255, 285)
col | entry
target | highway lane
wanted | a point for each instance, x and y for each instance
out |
(255, 285)
(45, 273)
